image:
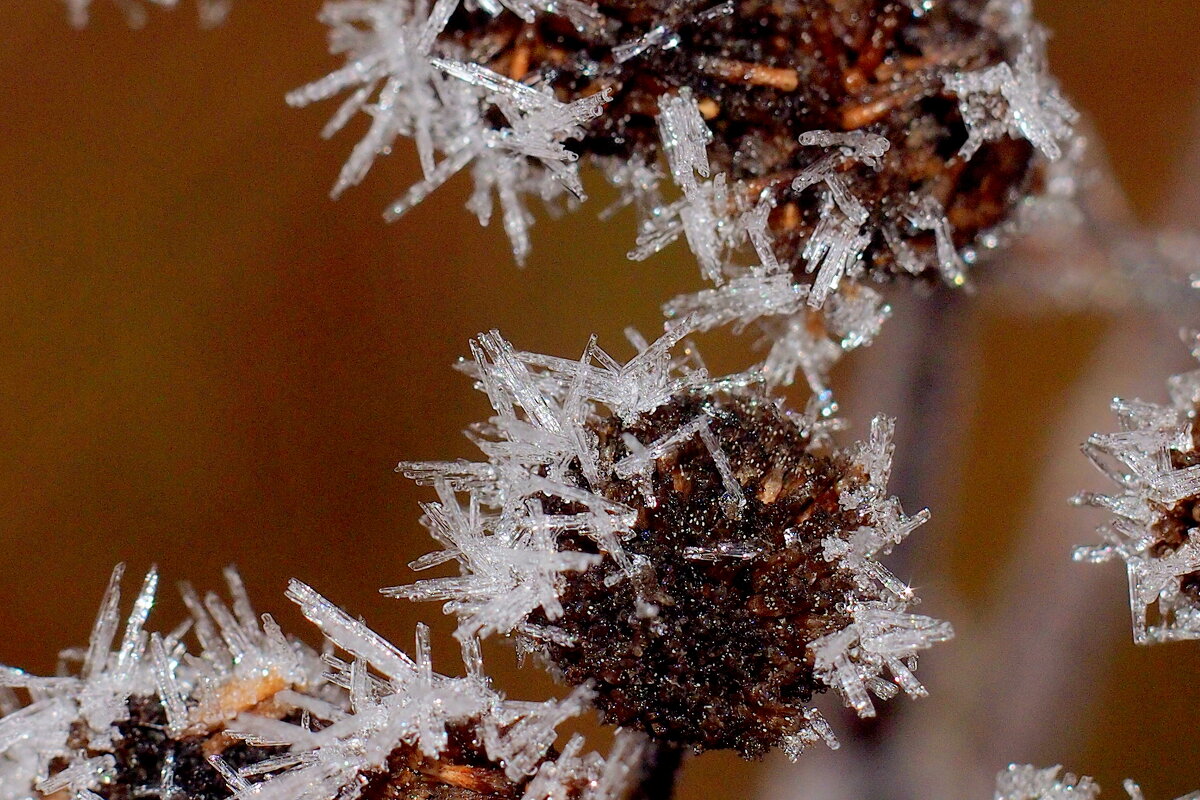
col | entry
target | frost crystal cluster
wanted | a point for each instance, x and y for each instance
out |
(140, 715)
(799, 148)
(253, 714)
(1155, 461)
(845, 137)
(1027, 782)
(703, 558)
(397, 729)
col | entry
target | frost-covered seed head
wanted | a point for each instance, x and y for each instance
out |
(896, 137)
(144, 751)
(708, 642)
(1155, 461)
(251, 714)
(702, 558)
(398, 730)
(1027, 782)
(141, 716)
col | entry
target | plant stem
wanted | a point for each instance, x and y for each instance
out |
(660, 768)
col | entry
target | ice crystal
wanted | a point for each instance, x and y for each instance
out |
(798, 337)
(135, 716)
(828, 157)
(1155, 461)
(253, 714)
(638, 524)
(1017, 99)
(1027, 782)
(399, 726)
(445, 105)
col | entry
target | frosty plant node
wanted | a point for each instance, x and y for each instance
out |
(1155, 461)
(691, 558)
(700, 556)
(871, 136)
(255, 715)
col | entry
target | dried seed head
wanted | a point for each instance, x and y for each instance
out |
(254, 714)
(460, 772)
(400, 731)
(836, 136)
(1155, 461)
(708, 642)
(141, 716)
(700, 557)
(797, 96)
(145, 752)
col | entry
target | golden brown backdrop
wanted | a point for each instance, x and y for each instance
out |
(204, 360)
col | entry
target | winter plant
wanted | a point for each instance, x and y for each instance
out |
(694, 559)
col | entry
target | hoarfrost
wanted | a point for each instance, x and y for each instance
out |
(883, 634)
(512, 137)
(411, 708)
(242, 660)
(1148, 460)
(798, 338)
(442, 104)
(1027, 782)
(539, 446)
(1018, 99)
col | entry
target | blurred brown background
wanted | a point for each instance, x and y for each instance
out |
(203, 360)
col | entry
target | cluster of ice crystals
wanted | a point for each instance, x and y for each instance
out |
(242, 661)
(211, 12)
(816, 729)
(718, 224)
(505, 541)
(836, 245)
(1155, 494)
(411, 87)
(702, 215)
(396, 703)
(340, 720)
(1018, 99)
(1027, 782)
(883, 634)
(797, 337)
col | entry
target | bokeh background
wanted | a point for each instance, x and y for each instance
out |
(205, 361)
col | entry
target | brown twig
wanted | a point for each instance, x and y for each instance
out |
(660, 769)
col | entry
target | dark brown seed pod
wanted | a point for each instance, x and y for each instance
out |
(708, 644)
(1155, 461)
(701, 559)
(1176, 523)
(145, 755)
(766, 72)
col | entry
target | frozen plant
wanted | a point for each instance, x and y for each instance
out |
(1027, 782)
(689, 556)
(808, 151)
(254, 715)
(422, 91)
(398, 729)
(899, 147)
(1155, 461)
(702, 557)
(140, 715)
